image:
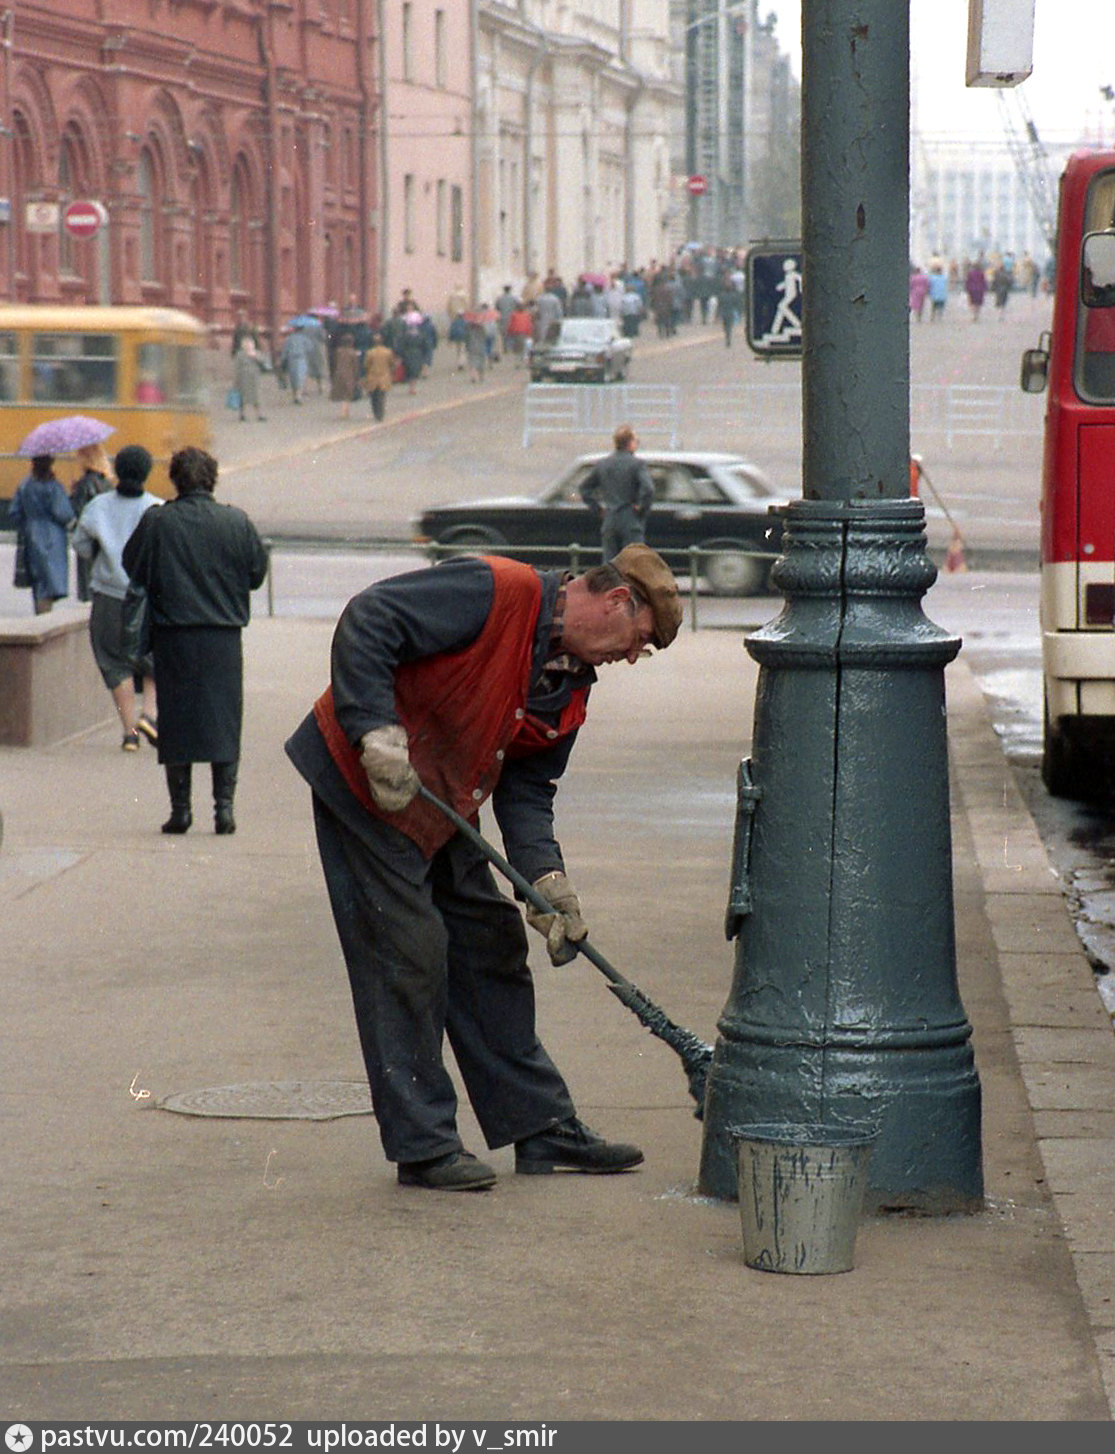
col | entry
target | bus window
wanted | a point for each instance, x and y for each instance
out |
(73, 368)
(9, 367)
(188, 375)
(152, 374)
(1095, 338)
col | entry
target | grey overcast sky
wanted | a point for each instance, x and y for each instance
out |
(1074, 56)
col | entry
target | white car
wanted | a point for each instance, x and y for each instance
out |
(583, 348)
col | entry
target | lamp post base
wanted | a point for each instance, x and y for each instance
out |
(844, 1006)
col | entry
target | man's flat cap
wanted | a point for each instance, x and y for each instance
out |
(653, 579)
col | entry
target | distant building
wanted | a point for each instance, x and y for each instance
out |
(574, 111)
(424, 136)
(741, 126)
(230, 146)
(969, 197)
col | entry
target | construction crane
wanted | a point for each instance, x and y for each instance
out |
(1031, 161)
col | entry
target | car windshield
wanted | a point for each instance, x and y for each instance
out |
(585, 330)
(676, 481)
(750, 486)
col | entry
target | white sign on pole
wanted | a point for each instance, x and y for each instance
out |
(41, 217)
(1000, 42)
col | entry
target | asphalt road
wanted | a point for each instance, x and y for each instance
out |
(307, 472)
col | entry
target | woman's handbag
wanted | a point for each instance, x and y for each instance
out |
(21, 577)
(232, 399)
(136, 626)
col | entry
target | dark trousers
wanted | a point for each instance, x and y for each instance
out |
(622, 528)
(379, 400)
(441, 956)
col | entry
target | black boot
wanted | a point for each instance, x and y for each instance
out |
(224, 790)
(178, 782)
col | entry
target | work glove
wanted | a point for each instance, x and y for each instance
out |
(383, 756)
(564, 928)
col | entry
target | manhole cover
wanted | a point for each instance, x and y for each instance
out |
(276, 1100)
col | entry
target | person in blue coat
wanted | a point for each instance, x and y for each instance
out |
(41, 512)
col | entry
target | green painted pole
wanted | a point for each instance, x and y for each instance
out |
(844, 1008)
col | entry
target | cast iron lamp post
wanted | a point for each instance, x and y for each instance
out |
(844, 1007)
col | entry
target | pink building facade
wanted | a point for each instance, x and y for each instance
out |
(425, 143)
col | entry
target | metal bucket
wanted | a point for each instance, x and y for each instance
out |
(800, 1195)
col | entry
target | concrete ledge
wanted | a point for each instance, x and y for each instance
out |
(50, 688)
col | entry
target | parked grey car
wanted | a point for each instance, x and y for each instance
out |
(583, 348)
(719, 503)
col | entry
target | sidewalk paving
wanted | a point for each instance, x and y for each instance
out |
(163, 1265)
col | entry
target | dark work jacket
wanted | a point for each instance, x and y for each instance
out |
(417, 616)
(199, 562)
(465, 712)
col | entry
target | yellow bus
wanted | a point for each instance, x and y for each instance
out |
(139, 369)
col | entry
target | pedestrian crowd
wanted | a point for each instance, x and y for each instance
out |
(354, 353)
(1000, 274)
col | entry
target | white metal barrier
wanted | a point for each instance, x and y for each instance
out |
(955, 410)
(650, 409)
(975, 409)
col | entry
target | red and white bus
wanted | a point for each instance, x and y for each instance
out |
(1076, 361)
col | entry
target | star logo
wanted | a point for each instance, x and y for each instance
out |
(19, 1438)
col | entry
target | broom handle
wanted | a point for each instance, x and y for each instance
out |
(695, 1055)
(693, 1050)
(525, 887)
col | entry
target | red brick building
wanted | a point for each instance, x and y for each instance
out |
(231, 144)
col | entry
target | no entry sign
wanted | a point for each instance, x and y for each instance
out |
(697, 185)
(84, 219)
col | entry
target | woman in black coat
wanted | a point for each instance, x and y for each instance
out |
(199, 562)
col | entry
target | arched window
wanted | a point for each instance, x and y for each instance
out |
(194, 271)
(26, 179)
(146, 182)
(236, 234)
(67, 182)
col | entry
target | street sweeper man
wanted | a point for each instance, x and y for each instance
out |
(472, 680)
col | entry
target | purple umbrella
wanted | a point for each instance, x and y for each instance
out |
(63, 436)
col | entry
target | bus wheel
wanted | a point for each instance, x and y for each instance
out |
(1065, 770)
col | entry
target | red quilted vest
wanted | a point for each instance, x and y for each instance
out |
(464, 712)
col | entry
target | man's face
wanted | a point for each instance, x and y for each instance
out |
(611, 630)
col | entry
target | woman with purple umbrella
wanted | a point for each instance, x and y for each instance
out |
(40, 514)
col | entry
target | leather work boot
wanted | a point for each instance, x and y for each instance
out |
(572, 1146)
(455, 1171)
(178, 777)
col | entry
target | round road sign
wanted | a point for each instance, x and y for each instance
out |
(84, 219)
(697, 185)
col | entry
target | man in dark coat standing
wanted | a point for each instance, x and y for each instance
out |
(620, 490)
(198, 562)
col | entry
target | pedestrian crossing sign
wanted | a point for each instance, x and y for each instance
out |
(774, 298)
